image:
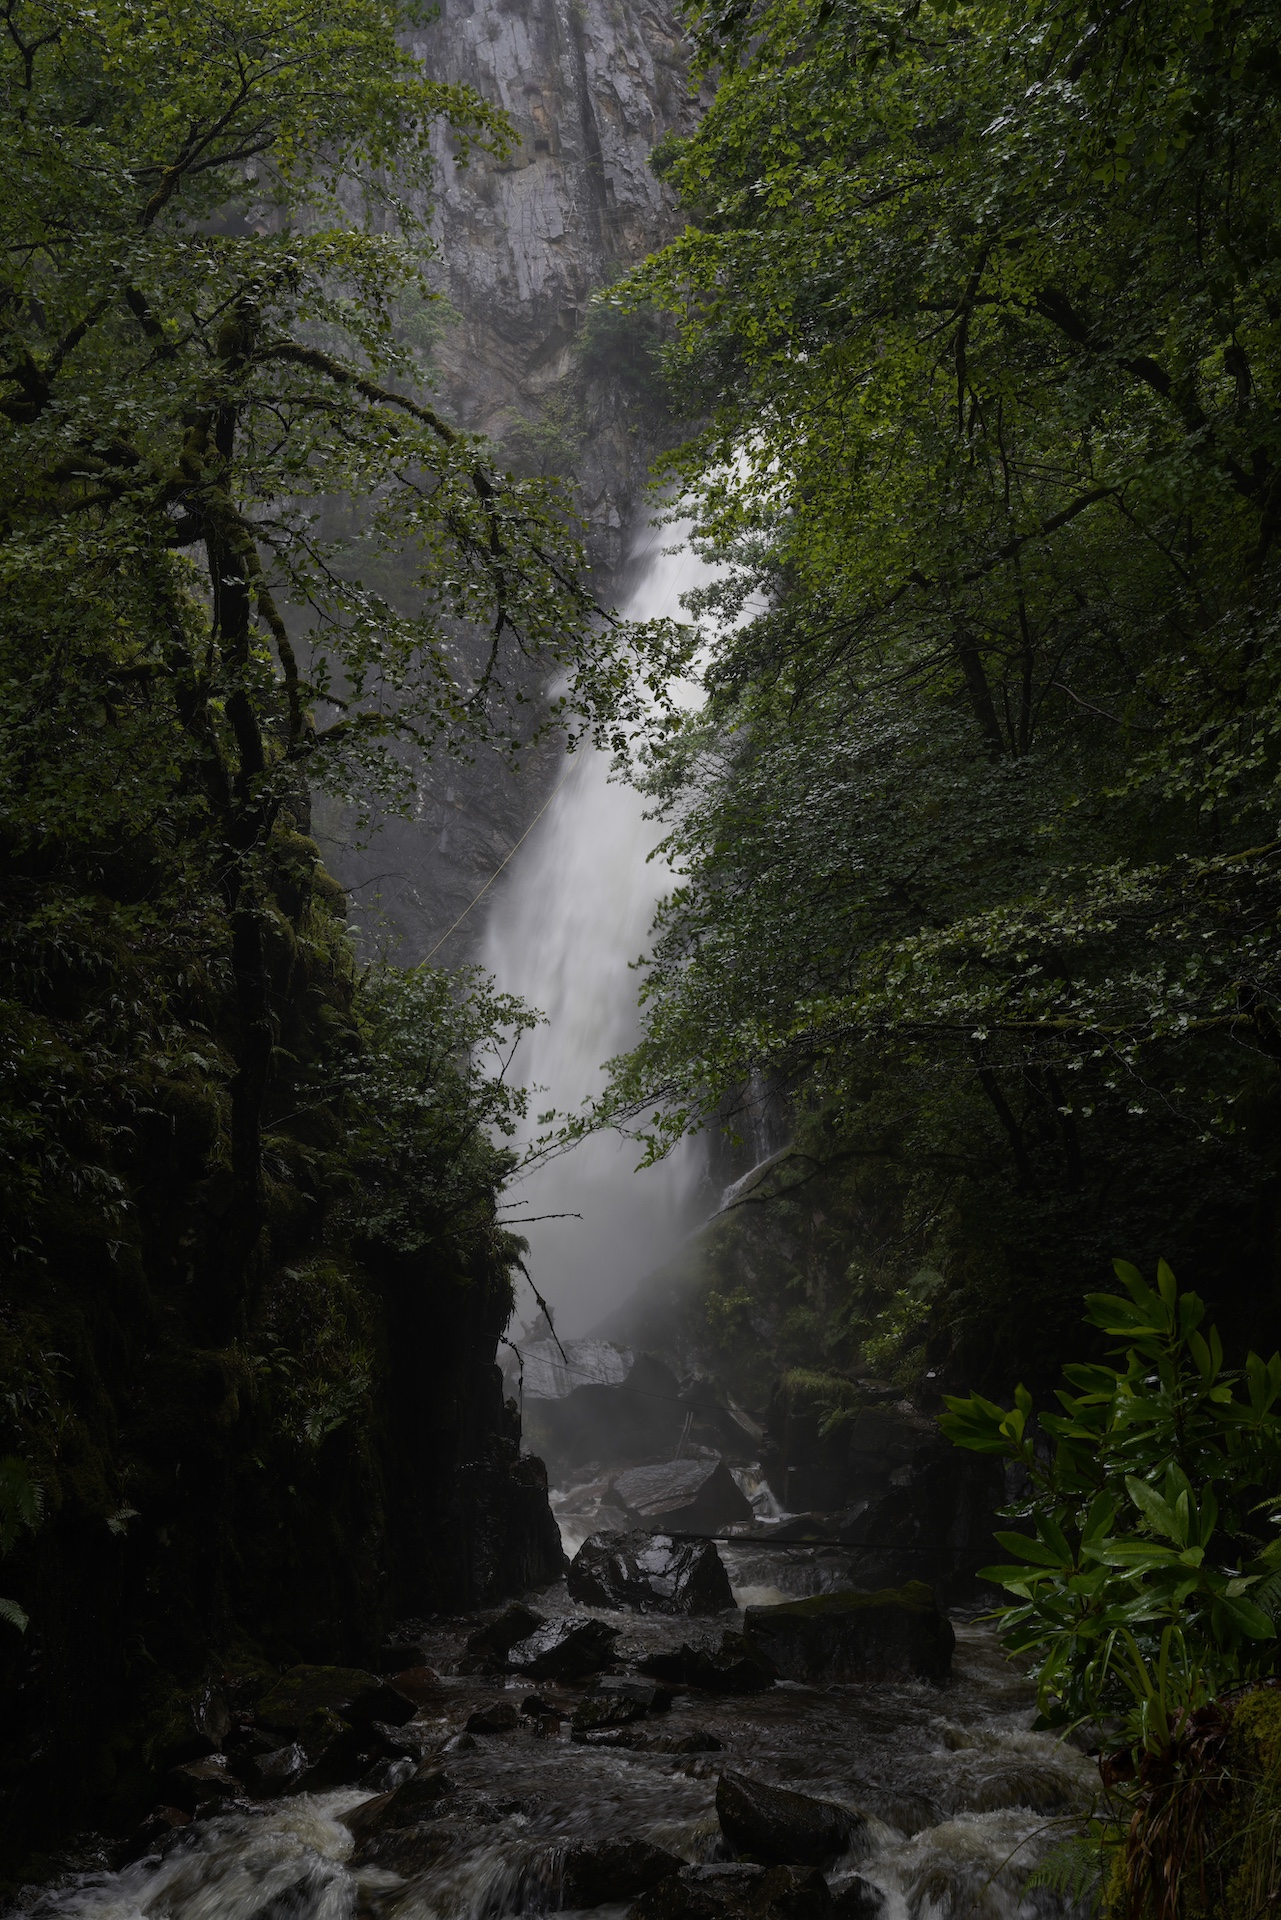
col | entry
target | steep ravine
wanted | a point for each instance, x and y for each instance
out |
(591, 87)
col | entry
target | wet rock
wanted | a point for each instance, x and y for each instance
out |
(696, 1496)
(602, 1710)
(277, 1772)
(858, 1899)
(736, 1666)
(631, 1686)
(604, 1406)
(782, 1828)
(419, 1684)
(856, 1636)
(349, 1692)
(564, 1650)
(649, 1573)
(157, 1834)
(398, 1654)
(201, 1784)
(614, 1870)
(461, 1743)
(487, 1648)
(407, 1806)
(386, 1775)
(501, 1717)
(535, 1707)
(736, 1891)
(696, 1740)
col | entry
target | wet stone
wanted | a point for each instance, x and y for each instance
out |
(780, 1827)
(854, 1636)
(202, 1784)
(614, 1870)
(348, 1692)
(701, 1496)
(737, 1892)
(858, 1899)
(487, 1648)
(736, 1666)
(502, 1717)
(649, 1573)
(564, 1650)
(277, 1772)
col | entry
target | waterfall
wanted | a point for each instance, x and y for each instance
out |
(574, 912)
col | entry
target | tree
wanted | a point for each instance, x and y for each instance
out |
(979, 305)
(212, 432)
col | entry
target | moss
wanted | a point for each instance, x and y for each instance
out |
(914, 1597)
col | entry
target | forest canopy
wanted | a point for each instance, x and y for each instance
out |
(981, 308)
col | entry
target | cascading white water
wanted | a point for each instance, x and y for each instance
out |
(574, 913)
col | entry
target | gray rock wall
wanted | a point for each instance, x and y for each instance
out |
(591, 86)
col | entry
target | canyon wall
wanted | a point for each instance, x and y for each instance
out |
(591, 87)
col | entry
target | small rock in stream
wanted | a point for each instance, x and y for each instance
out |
(701, 1496)
(736, 1891)
(614, 1870)
(268, 1774)
(501, 1717)
(858, 1899)
(487, 1648)
(564, 1650)
(737, 1666)
(782, 1828)
(202, 1784)
(856, 1636)
(649, 1573)
(348, 1692)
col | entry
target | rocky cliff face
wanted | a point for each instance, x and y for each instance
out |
(591, 86)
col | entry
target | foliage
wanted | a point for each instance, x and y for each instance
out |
(976, 832)
(1135, 1590)
(427, 1094)
(21, 1505)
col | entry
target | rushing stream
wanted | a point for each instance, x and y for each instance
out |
(963, 1799)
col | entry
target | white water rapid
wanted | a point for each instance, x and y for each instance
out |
(573, 914)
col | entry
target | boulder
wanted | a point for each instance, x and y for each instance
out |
(487, 1648)
(419, 1684)
(601, 1710)
(501, 1717)
(858, 1899)
(782, 1828)
(606, 1406)
(202, 1784)
(158, 1832)
(649, 1573)
(564, 1650)
(692, 1496)
(736, 1666)
(400, 1652)
(417, 1800)
(277, 1772)
(613, 1870)
(349, 1692)
(856, 1636)
(696, 1740)
(736, 1891)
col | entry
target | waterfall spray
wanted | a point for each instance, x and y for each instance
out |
(573, 914)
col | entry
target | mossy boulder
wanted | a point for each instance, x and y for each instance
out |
(890, 1635)
(349, 1693)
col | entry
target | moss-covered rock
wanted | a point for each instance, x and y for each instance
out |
(347, 1692)
(856, 1636)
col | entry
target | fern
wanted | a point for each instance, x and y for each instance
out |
(13, 1613)
(1073, 1870)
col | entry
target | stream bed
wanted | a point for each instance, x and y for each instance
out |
(962, 1799)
